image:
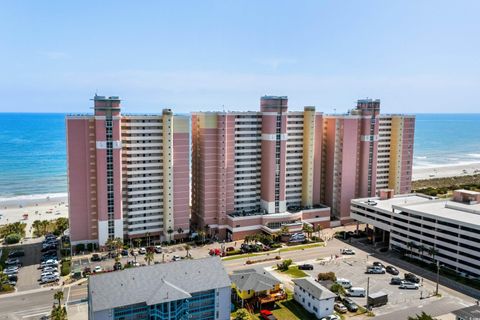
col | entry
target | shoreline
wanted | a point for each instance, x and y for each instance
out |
(446, 171)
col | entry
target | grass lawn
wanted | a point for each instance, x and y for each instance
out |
(259, 254)
(303, 246)
(290, 310)
(294, 272)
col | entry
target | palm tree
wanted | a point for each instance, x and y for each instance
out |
(138, 242)
(432, 252)
(180, 232)
(207, 229)
(284, 230)
(149, 257)
(410, 246)
(318, 228)
(187, 248)
(201, 235)
(422, 316)
(148, 238)
(421, 250)
(61, 224)
(277, 235)
(307, 229)
(58, 296)
(170, 231)
(110, 244)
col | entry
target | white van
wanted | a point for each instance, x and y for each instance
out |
(356, 292)
(344, 283)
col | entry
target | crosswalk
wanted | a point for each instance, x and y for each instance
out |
(32, 314)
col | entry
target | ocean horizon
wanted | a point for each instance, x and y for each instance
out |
(33, 148)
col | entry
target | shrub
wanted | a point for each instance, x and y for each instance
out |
(90, 247)
(66, 267)
(6, 288)
(338, 289)
(242, 314)
(13, 238)
(327, 276)
(80, 247)
(249, 262)
(275, 245)
(284, 265)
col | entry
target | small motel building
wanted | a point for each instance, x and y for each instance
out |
(181, 290)
(314, 297)
(443, 231)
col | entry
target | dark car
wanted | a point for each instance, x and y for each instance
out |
(16, 253)
(305, 266)
(12, 277)
(378, 264)
(96, 257)
(396, 280)
(117, 266)
(412, 278)
(392, 270)
(124, 252)
(351, 306)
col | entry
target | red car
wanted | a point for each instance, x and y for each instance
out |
(214, 252)
(267, 315)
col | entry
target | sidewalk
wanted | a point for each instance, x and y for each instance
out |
(43, 289)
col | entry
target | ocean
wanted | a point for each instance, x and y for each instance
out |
(33, 160)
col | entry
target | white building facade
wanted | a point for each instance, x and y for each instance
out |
(314, 297)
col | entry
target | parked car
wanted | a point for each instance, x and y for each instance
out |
(378, 264)
(351, 306)
(10, 282)
(410, 277)
(392, 270)
(348, 251)
(375, 270)
(267, 315)
(98, 269)
(305, 266)
(16, 253)
(396, 280)
(347, 284)
(331, 317)
(12, 261)
(230, 249)
(50, 269)
(45, 274)
(49, 278)
(12, 277)
(117, 266)
(142, 250)
(10, 271)
(124, 252)
(95, 257)
(356, 292)
(339, 307)
(409, 285)
(158, 249)
(176, 258)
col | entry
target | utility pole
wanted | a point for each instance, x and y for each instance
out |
(368, 288)
(438, 277)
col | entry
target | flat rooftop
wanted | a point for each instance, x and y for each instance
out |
(423, 204)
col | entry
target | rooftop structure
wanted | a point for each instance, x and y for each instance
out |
(187, 289)
(314, 297)
(427, 228)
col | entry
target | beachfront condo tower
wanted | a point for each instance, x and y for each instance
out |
(261, 171)
(128, 175)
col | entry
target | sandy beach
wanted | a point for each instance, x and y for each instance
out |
(421, 173)
(37, 208)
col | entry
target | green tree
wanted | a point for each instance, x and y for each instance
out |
(284, 230)
(432, 252)
(242, 314)
(61, 224)
(338, 289)
(318, 229)
(58, 296)
(327, 276)
(138, 242)
(422, 316)
(149, 257)
(284, 265)
(308, 229)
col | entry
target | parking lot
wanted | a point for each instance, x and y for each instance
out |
(29, 273)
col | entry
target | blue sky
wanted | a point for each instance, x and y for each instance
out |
(416, 56)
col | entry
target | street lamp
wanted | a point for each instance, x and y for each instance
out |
(438, 277)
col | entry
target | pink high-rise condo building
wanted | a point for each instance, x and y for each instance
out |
(128, 175)
(259, 171)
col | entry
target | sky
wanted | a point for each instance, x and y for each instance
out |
(416, 56)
